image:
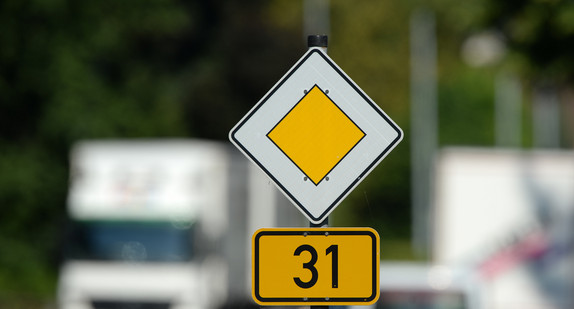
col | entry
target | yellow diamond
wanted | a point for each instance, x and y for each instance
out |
(316, 135)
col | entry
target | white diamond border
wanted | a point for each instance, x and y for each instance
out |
(382, 135)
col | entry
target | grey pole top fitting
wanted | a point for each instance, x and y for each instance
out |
(317, 40)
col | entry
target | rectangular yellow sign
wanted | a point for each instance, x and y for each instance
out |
(315, 266)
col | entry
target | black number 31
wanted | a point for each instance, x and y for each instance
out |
(333, 250)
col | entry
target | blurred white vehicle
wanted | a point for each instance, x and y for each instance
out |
(508, 215)
(162, 224)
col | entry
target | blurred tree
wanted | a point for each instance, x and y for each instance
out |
(248, 52)
(73, 70)
(541, 32)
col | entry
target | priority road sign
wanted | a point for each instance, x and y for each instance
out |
(327, 266)
(316, 134)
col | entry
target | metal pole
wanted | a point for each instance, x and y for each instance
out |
(546, 117)
(316, 17)
(508, 111)
(424, 125)
(318, 40)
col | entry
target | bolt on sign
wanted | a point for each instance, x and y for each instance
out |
(316, 134)
(326, 266)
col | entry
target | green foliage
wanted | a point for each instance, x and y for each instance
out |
(542, 32)
(250, 50)
(86, 70)
(466, 108)
(29, 280)
(71, 70)
(31, 199)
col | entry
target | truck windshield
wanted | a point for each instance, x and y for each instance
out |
(130, 241)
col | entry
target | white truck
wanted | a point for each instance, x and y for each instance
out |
(163, 224)
(503, 234)
(508, 215)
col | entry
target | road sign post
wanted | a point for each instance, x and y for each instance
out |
(322, 42)
(316, 134)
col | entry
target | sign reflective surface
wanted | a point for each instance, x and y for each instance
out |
(311, 266)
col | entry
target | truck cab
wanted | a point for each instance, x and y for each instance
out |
(146, 225)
